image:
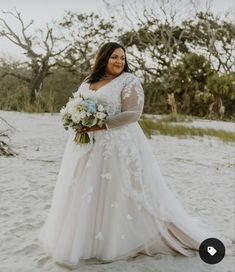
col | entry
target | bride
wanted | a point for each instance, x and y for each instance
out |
(110, 200)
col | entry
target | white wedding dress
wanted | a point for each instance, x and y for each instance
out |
(110, 200)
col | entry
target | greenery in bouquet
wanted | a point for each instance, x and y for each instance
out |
(81, 112)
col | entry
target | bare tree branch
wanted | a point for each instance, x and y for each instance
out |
(40, 63)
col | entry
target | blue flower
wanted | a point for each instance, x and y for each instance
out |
(89, 105)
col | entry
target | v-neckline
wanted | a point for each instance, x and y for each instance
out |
(97, 90)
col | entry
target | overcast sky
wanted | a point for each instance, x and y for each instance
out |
(43, 11)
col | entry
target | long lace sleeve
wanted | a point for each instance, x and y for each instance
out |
(132, 99)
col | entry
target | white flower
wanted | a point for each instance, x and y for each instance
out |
(63, 111)
(76, 117)
(76, 94)
(82, 114)
(78, 100)
(71, 105)
(100, 108)
(100, 115)
(99, 236)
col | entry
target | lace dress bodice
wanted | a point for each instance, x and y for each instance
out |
(123, 98)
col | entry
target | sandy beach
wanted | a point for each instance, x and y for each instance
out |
(199, 170)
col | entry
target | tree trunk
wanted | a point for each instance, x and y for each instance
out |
(36, 86)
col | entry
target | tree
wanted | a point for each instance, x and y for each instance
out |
(38, 65)
(222, 87)
(85, 33)
(187, 78)
(155, 45)
(215, 38)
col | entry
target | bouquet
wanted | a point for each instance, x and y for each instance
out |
(82, 112)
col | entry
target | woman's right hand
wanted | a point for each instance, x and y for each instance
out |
(94, 128)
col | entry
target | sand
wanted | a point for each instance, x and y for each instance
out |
(199, 170)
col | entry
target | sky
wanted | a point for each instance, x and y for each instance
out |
(45, 11)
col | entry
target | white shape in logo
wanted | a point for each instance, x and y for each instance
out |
(211, 250)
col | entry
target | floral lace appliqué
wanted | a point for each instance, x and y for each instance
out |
(99, 236)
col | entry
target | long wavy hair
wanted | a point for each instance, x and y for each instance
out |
(102, 57)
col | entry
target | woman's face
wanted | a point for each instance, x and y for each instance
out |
(116, 62)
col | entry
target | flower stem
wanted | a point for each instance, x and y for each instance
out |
(81, 138)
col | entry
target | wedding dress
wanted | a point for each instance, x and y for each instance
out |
(110, 200)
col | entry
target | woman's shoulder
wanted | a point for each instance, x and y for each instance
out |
(132, 84)
(130, 77)
(82, 86)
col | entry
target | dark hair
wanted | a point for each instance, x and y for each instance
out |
(101, 61)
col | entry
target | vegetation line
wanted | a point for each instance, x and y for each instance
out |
(151, 127)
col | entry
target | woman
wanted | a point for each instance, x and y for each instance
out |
(110, 200)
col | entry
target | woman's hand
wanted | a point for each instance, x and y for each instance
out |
(94, 128)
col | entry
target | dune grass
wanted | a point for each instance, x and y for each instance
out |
(170, 117)
(154, 126)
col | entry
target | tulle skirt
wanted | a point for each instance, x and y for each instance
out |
(111, 202)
